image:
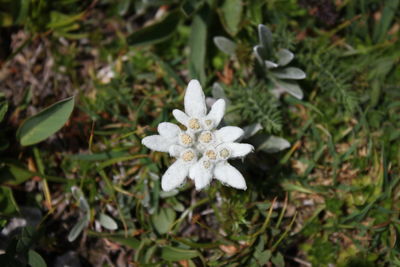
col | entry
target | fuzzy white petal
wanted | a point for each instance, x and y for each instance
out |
(158, 143)
(176, 150)
(180, 116)
(228, 134)
(238, 150)
(195, 102)
(201, 176)
(168, 130)
(175, 175)
(229, 175)
(217, 112)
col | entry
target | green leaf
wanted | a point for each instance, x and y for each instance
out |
(231, 15)
(176, 254)
(35, 260)
(156, 32)
(3, 109)
(262, 256)
(8, 205)
(14, 173)
(290, 87)
(48, 121)
(290, 73)
(278, 260)
(78, 228)
(388, 14)
(163, 220)
(198, 44)
(225, 45)
(107, 222)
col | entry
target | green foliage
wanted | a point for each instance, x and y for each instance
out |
(48, 121)
(323, 191)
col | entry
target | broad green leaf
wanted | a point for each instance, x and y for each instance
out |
(198, 44)
(290, 87)
(48, 121)
(273, 144)
(3, 109)
(176, 254)
(107, 222)
(8, 205)
(284, 57)
(163, 220)
(231, 15)
(290, 73)
(278, 260)
(262, 256)
(225, 45)
(78, 228)
(156, 32)
(35, 260)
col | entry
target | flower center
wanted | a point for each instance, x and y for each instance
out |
(206, 164)
(205, 137)
(224, 153)
(188, 155)
(211, 154)
(194, 124)
(186, 139)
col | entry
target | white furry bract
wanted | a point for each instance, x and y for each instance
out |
(201, 151)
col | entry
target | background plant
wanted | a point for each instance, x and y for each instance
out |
(329, 198)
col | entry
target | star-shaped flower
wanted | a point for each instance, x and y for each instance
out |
(201, 151)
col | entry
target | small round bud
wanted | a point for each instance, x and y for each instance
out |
(194, 124)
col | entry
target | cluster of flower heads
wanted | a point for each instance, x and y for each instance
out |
(201, 150)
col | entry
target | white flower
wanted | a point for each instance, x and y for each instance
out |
(201, 151)
(194, 117)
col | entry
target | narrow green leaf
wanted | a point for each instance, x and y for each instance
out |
(35, 260)
(107, 222)
(78, 228)
(231, 15)
(42, 125)
(157, 32)
(388, 14)
(8, 205)
(225, 45)
(198, 44)
(3, 109)
(176, 254)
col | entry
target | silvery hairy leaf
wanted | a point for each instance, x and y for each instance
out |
(291, 87)
(290, 73)
(284, 57)
(225, 45)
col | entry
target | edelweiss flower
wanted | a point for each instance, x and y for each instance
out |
(201, 151)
